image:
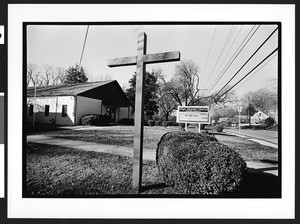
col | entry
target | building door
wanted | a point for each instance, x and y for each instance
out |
(111, 112)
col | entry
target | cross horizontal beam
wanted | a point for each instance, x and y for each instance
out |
(148, 59)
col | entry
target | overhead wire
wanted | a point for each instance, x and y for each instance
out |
(212, 40)
(218, 77)
(230, 48)
(246, 75)
(221, 53)
(247, 61)
(231, 60)
(256, 72)
(86, 34)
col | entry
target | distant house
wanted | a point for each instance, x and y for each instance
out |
(243, 118)
(258, 117)
(222, 120)
(66, 104)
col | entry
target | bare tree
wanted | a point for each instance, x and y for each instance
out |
(166, 103)
(60, 75)
(48, 75)
(101, 77)
(224, 97)
(33, 75)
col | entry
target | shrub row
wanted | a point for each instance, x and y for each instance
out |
(162, 118)
(95, 119)
(219, 128)
(126, 121)
(159, 123)
(196, 163)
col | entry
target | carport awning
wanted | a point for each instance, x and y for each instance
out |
(110, 94)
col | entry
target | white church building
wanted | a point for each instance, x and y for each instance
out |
(66, 104)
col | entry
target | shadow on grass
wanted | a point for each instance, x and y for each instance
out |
(268, 161)
(258, 184)
(220, 133)
(154, 187)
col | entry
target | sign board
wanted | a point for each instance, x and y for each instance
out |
(193, 114)
(240, 109)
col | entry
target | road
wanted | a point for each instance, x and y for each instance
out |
(269, 136)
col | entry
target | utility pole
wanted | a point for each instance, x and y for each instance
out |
(33, 117)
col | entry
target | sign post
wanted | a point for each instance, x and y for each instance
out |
(140, 61)
(240, 110)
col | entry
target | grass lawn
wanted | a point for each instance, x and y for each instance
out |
(53, 171)
(124, 135)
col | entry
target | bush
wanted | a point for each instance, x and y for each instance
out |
(160, 118)
(182, 125)
(269, 121)
(246, 127)
(95, 119)
(257, 127)
(165, 124)
(151, 122)
(126, 121)
(196, 163)
(219, 128)
(157, 123)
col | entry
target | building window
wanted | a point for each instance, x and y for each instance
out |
(31, 110)
(64, 110)
(47, 107)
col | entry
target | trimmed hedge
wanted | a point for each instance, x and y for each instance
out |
(196, 163)
(219, 128)
(166, 123)
(95, 119)
(269, 121)
(126, 121)
(151, 122)
(182, 125)
(157, 123)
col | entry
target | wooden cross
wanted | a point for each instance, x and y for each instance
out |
(140, 61)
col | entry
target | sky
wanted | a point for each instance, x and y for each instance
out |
(211, 47)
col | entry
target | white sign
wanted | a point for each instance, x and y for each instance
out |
(193, 114)
(240, 109)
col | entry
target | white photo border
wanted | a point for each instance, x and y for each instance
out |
(117, 208)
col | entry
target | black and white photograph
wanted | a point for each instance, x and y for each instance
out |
(152, 110)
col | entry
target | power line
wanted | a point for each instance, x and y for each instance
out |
(256, 71)
(218, 77)
(225, 44)
(230, 48)
(86, 33)
(246, 75)
(244, 43)
(248, 60)
(209, 50)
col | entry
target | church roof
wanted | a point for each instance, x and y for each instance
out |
(109, 92)
(65, 89)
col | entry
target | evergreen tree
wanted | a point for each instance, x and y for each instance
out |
(151, 88)
(75, 75)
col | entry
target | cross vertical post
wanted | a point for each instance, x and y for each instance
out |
(140, 61)
(139, 113)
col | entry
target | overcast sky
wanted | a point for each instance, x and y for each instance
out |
(209, 46)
